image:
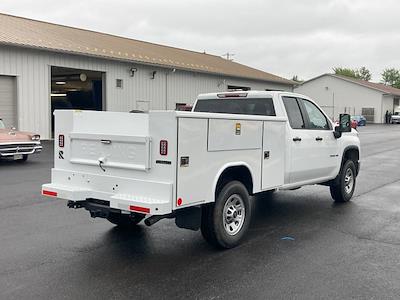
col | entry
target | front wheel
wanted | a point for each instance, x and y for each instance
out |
(225, 222)
(342, 190)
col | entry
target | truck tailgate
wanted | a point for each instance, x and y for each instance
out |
(115, 157)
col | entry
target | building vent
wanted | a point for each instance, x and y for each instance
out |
(119, 83)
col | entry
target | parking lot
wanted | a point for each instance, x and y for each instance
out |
(48, 251)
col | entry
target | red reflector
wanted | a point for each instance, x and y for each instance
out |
(61, 140)
(163, 147)
(49, 193)
(140, 209)
(179, 201)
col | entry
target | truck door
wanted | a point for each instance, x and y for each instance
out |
(325, 145)
(300, 143)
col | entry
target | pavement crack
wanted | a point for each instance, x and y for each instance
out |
(377, 188)
(365, 237)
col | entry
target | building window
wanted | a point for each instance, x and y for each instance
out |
(238, 88)
(119, 83)
(183, 107)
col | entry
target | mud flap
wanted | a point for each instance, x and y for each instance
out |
(188, 218)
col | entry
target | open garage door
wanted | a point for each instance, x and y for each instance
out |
(76, 89)
(8, 101)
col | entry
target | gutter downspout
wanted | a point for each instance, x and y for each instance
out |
(166, 90)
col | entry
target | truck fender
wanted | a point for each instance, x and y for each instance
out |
(348, 148)
(230, 165)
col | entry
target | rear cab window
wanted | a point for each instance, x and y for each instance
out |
(293, 110)
(244, 106)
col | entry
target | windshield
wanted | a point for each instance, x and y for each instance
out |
(248, 106)
(2, 126)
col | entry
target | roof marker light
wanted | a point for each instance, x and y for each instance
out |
(232, 95)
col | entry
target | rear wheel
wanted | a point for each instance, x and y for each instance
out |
(343, 189)
(125, 220)
(225, 222)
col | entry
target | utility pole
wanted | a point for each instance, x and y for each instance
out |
(228, 56)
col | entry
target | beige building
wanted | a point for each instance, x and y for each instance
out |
(46, 66)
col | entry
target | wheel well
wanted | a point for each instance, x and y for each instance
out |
(354, 155)
(239, 173)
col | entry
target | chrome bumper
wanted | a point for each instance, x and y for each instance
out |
(11, 149)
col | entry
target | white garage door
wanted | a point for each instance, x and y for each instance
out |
(8, 103)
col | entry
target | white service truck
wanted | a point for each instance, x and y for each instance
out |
(200, 167)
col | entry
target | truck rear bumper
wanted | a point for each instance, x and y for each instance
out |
(125, 194)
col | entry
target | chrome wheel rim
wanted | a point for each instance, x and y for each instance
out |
(348, 181)
(234, 214)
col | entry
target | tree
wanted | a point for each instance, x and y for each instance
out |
(296, 78)
(362, 73)
(391, 77)
(345, 72)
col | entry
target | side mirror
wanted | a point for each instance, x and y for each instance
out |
(344, 125)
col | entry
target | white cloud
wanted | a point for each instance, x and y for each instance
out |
(285, 37)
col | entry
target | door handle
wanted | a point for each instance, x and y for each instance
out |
(296, 139)
(318, 138)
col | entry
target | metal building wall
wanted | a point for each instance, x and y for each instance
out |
(337, 96)
(32, 69)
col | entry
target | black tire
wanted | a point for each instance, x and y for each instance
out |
(225, 222)
(125, 220)
(343, 188)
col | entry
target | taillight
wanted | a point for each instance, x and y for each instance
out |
(61, 140)
(163, 147)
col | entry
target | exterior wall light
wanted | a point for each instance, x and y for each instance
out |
(132, 71)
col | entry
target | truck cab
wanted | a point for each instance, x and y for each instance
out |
(201, 167)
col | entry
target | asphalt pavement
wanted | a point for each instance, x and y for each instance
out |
(348, 251)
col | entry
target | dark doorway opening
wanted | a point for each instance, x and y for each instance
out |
(238, 88)
(76, 89)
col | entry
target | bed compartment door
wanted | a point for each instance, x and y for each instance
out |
(273, 155)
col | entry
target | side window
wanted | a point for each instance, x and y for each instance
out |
(294, 113)
(316, 117)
